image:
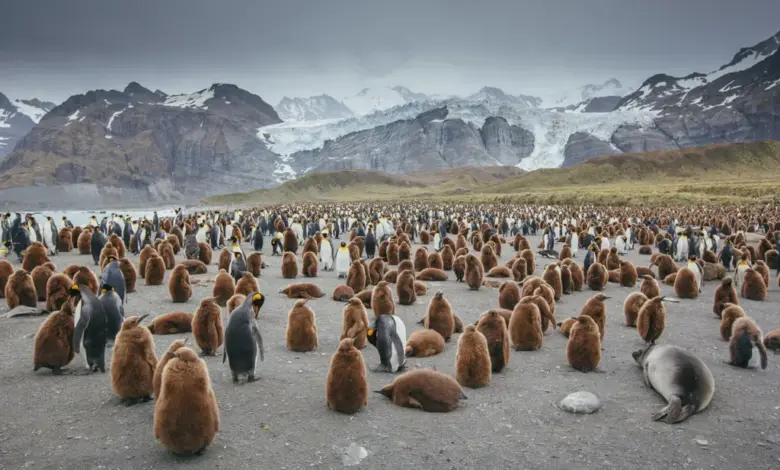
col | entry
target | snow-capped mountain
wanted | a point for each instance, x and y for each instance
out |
(371, 100)
(578, 99)
(492, 96)
(17, 118)
(313, 108)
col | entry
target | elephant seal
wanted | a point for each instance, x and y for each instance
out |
(680, 377)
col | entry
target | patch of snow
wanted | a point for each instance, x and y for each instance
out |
(611, 87)
(113, 116)
(192, 100)
(283, 172)
(109, 137)
(660, 84)
(370, 100)
(3, 117)
(74, 116)
(34, 113)
(728, 87)
(772, 85)
(743, 64)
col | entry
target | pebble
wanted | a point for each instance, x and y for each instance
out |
(581, 402)
(702, 442)
(354, 454)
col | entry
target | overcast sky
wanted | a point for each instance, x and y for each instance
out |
(55, 48)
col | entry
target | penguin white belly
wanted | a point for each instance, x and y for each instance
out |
(437, 240)
(397, 358)
(682, 249)
(342, 262)
(696, 273)
(76, 318)
(621, 246)
(326, 255)
(33, 235)
(741, 273)
(298, 230)
(47, 237)
(605, 243)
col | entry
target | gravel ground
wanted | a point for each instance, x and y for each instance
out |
(281, 421)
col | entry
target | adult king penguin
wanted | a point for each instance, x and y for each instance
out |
(326, 253)
(49, 236)
(243, 341)
(343, 260)
(91, 327)
(112, 276)
(388, 335)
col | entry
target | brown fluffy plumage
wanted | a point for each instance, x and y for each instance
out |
(346, 388)
(235, 302)
(724, 293)
(376, 269)
(628, 274)
(356, 276)
(40, 276)
(54, 341)
(552, 277)
(424, 343)
(649, 287)
(186, 416)
(133, 361)
(171, 323)
(597, 310)
(651, 321)
(224, 288)
(354, 324)
(310, 264)
(597, 277)
(420, 259)
(254, 263)
(685, 286)
(155, 271)
(165, 250)
(179, 286)
(753, 287)
(207, 328)
(772, 340)
(632, 305)
(205, 254)
(665, 265)
(566, 326)
(342, 293)
(432, 275)
(6, 270)
(405, 290)
(545, 308)
(577, 277)
(20, 290)
(57, 291)
(289, 265)
(425, 389)
(730, 314)
(583, 350)
(745, 334)
(194, 266)
(508, 295)
(143, 258)
(34, 255)
(494, 327)
(488, 258)
(525, 327)
(83, 241)
(475, 272)
(162, 361)
(247, 284)
(439, 316)
(131, 275)
(472, 360)
(382, 300)
(301, 335)
(302, 290)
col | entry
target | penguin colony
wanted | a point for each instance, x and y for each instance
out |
(86, 308)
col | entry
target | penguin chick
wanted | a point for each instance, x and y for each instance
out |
(207, 326)
(20, 290)
(552, 277)
(424, 343)
(475, 272)
(129, 273)
(147, 252)
(597, 277)
(772, 340)
(254, 264)
(651, 321)
(376, 269)
(342, 293)
(525, 327)
(354, 323)
(545, 309)
(34, 256)
(155, 271)
(179, 284)
(158, 370)
(346, 388)
(583, 350)
(426, 389)
(57, 291)
(54, 341)
(165, 249)
(302, 290)
(243, 341)
(685, 284)
(301, 335)
(310, 264)
(247, 284)
(730, 314)
(234, 302)
(753, 287)
(745, 334)
(567, 285)
(421, 259)
(631, 307)
(577, 277)
(432, 275)
(289, 265)
(649, 287)
(186, 416)
(435, 261)
(508, 295)
(628, 274)
(133, 362)
(356, 276)
(194, 266)
(724, 293)
(566, 326)
(495, 330)
(171, 323)
(223, 289)
(382, 300)
(40, 276)
(519, 271)
(500, 272)
(405, 289)
(439, 316)
(596, 309)
(472, 360)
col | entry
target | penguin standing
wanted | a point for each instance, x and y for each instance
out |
(370, 244)
(694, 266)
(590, 258)
(91, 327)
(326, 253)
(726, 255)
(237, 266)
(388, 335)
(113, 276)
(128, 231)
(243, 340)
(214, 237)
(257, 240)
(49, 236)
(343, 260)
(96, 244)
(115, 311)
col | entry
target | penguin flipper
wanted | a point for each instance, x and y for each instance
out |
(224, 354)
(259, 339)
(79, 329)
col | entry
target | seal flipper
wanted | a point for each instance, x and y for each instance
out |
(672, 412)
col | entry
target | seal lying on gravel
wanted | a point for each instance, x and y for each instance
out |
(680, 377)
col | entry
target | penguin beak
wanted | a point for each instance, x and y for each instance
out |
(141, 318)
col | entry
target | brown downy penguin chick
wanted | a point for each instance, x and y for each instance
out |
(426, 389)
(131, 276)
(475, 272)
(753, 287)
(118, 244)
(289, 265)
(472, 360)
(391, 276)
(133, 362)
(186, 416)
(583, 350)
(34, 255)
(20, 290)
(224, 288)
(530, 261)
(458, 323)
(577, 277)
(724, 293)
(6, 270)
(420, 288)
(254, 264)
(494, 328)
(356, 276)
(772, 340)
(206, 254)
(382, 300)
(649, 287)
(155, 271)
(405, 288)
(65, 240)
(194, 266)
(447, 258)
(760, 267)
(354, 324)
(632, 305)
(302, 290)
(235, 301)
(614, 276)
(83, 241)
(565, 252)
(207, 328)
(171, 323)
(439, 316)
(567, 286)
(432, 275)
(519, 270)
(421, 259)
(40, 276)
(685, 284)
(85, 276)
(597, 277)
(530, 284)
(500, 272)
(290, 241)
(642, 271)
(179, 284)
(566, 326)
(342, 293)
(613, 260)
(365, 297)
(392, 254)
(459, 268)
(552, 276)
(628, 274)
(54, 341)
(162, 361)
(247, 284)
(376, 270)
(745, 334)
(404, 252)
(165, 250)
(143, 258)
(301, 334)
(665, 265)
(57, 288)
(525, 327)
(311, 246)
(508, 295)
(545, 310)
(310, 264)
(435, 261)
(596, 309)
(488, 258)
(730, 314)
(346, 388)
(651, 321)
(670, 279)
(424, 343)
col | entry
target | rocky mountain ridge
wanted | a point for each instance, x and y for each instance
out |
(17, 118)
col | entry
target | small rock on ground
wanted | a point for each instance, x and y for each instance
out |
(581, 402)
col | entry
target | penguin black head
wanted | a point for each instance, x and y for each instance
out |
(257, 301)
(74, 291)
(371, 332)
(106, 288)
(237, 255)
(111, 258)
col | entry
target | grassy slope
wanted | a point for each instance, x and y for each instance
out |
(723, 173)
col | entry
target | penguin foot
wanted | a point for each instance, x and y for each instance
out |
(56, 371)
(251, 378)
(201, 451)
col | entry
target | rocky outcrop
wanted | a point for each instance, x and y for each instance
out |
(506, 143)
(602, 104)
(17, 118)
(582, 147)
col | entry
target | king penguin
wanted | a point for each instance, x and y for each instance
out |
(112, 276)
(388, 335)
(115, 311)
(243, 341)
(91, 327)
(694, 266)
(343, 260)
(326, 253)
